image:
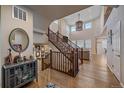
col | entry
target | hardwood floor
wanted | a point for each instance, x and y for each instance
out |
(93, 74)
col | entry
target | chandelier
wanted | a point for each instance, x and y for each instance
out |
(79, 24)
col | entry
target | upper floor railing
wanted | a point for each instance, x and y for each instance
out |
(107, 13)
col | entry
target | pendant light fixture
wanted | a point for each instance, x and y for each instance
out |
(79, 24)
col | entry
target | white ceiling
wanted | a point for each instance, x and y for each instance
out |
(87, 14)
(54, 12)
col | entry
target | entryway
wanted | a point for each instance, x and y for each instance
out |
(91, 75)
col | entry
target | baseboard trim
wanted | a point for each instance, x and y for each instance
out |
(122, 85)
(109, 68)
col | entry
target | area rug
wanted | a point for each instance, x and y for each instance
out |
(51, 85)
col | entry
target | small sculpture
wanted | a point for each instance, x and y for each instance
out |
(24, 58)
(17, 59)
(31, 57)
(8, 59)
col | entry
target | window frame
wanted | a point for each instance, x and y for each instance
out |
(84, 26)
(84, 43)
(23, 10)
(71, 29)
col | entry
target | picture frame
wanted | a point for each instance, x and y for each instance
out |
(37, 53)
(37, 47)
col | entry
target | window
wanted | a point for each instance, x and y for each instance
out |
(19, 13)
(80, 43)
(84, 43)
(73, 28)
(24, 16)
(15, 12)
(88, 25)
(87, 43)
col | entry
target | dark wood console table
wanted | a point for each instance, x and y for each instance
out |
(19, 74)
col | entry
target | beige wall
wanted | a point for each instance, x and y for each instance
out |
(40, 25)
(116, 15)
(8, 24)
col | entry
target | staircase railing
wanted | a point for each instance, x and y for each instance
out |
(58, 61)
(75, 46)
(46, 62)
(69, 50)
(58, 42)
(69, 41)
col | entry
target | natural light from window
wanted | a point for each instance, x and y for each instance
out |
(84, 43)
(88, 25)
(73, 28)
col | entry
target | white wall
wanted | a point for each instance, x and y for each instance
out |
(101, 45)
(8, 24)
(101, 21)
(54, 27)
(116, 15)
(64, 27)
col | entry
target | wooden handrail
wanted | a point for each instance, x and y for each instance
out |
(73, 44)
(80, 50)
(68, 50)
(58, 37)
(58, 42)
(67, 45)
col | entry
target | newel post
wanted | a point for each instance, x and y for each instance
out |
(42, 64)
(76, 62)
(57, 36)
(81, 55)
(73, 63)
(50, 58)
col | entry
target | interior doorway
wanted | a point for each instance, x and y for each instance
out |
(101, 46)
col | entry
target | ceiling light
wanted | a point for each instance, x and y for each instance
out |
(79, 24)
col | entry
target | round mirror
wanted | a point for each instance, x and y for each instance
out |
(18, 40)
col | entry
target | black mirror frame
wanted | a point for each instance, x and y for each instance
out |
(10, 41)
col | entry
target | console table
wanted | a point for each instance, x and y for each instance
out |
(18, 74)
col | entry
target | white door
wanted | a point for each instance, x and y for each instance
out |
(116, 50)
(99, 48)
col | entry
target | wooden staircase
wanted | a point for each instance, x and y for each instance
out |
(67, 60)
